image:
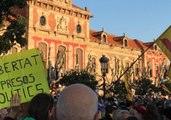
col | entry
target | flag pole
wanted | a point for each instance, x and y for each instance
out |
(131, 65)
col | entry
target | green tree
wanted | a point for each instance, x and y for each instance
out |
(119, 89)
(15, 26)
(154, 88)
(165, 88)
(84, 77)
(143, 86)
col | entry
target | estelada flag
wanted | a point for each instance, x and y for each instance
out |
(164, 42)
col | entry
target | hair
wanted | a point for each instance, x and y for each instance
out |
(152, 112)
(139, 109)
(40, 105)
(119, 114)
(77, 102)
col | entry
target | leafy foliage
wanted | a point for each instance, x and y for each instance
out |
(167, 85)
(143, 86)
(154, 88)
(16, 24)
(119, 89)
(72, 77)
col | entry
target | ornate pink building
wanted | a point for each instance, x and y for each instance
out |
(62, 32)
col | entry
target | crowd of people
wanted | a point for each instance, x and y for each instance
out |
(140, 108)
(79, 102)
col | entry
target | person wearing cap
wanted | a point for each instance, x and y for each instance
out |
(137, 111)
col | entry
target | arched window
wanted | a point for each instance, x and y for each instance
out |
(151, 73)
(125, 43)
(103, 38)
(78, 28)
(43, 49)
(61, 55)
(137, 69)
(126, 67)
(42, 20)
(157, 70)
(149, 69)
(155, 47)
(79, 58)
(94, 64)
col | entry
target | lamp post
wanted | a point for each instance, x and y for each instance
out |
(104, 69)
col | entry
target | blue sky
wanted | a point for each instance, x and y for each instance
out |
(144, 20)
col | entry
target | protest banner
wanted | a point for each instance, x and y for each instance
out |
(22, 73)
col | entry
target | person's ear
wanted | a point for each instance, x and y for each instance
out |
(96, 116)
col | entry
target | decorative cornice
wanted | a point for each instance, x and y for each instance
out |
(68, 10)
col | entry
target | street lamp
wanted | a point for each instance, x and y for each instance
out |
(104, 69)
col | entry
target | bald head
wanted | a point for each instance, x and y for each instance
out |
(77, 102)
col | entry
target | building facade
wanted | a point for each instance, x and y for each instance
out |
(62, 32)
